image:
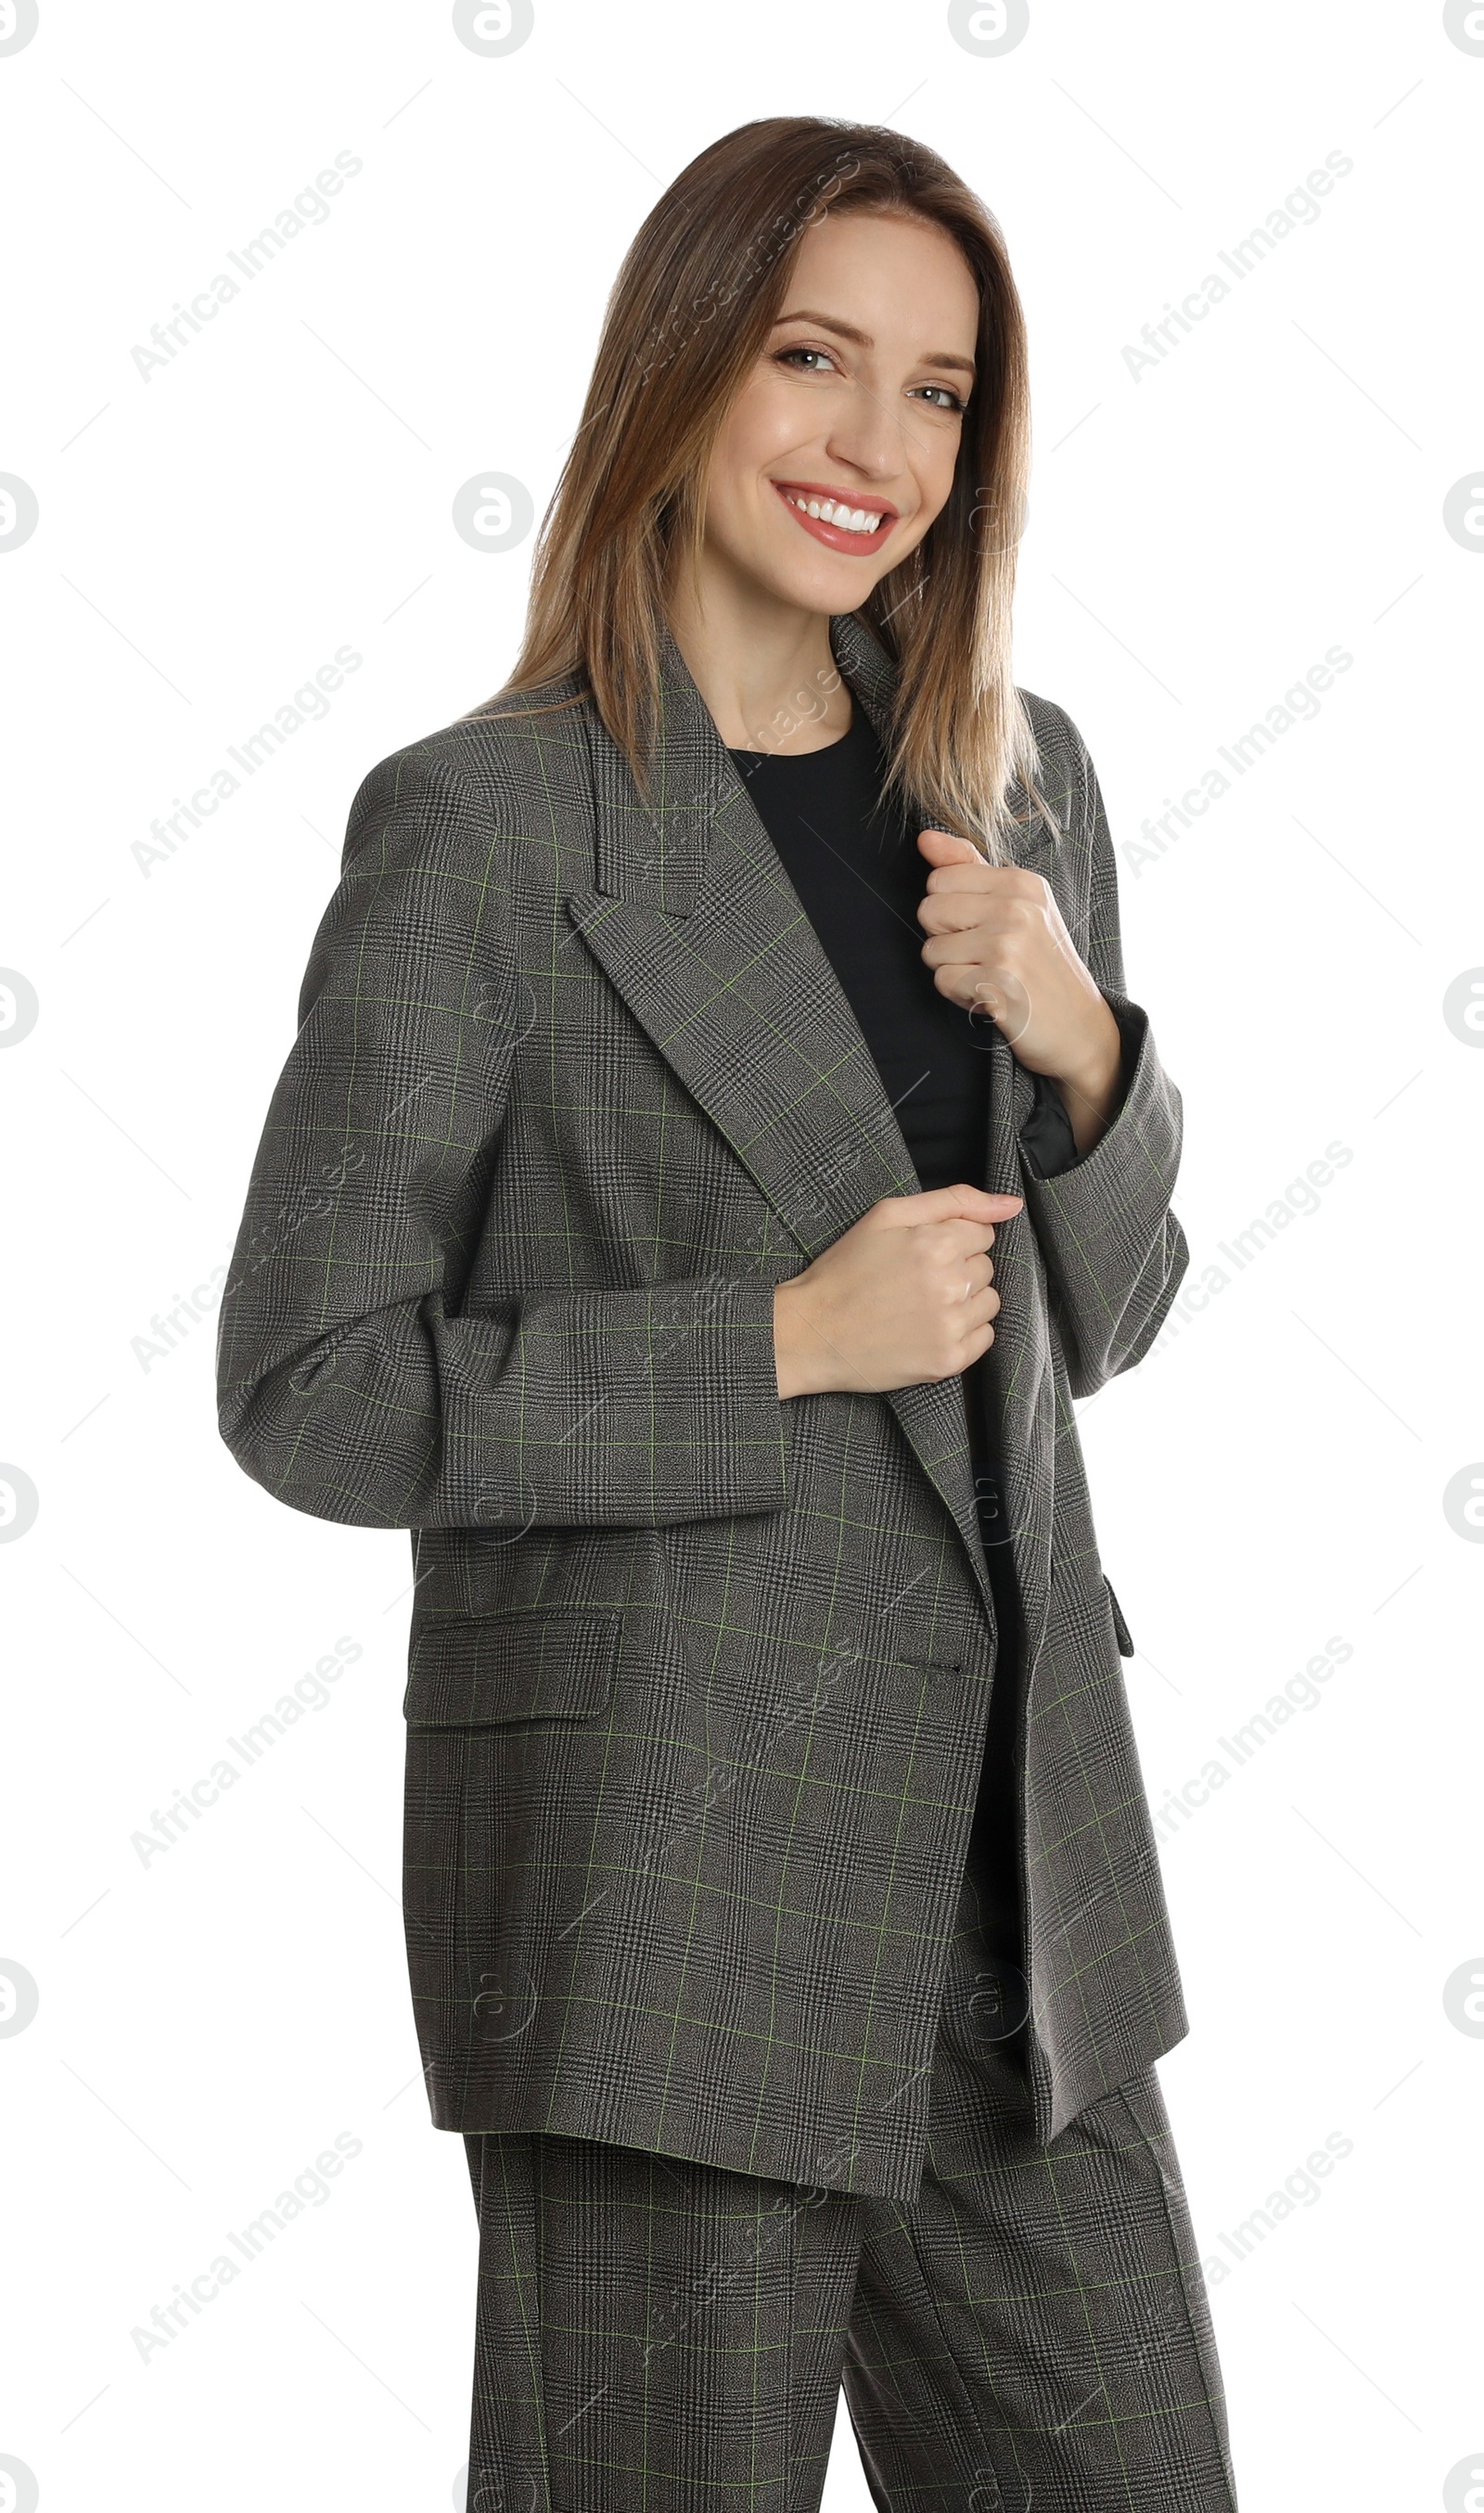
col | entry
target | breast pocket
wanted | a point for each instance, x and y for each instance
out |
(495, 1670)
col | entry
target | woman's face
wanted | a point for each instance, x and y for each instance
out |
(858, 396)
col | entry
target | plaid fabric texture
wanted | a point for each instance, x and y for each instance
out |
(1029, 2334)
(698, 1680)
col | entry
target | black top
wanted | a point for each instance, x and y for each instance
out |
(860, 875)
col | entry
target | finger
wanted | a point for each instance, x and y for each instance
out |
(952, 911)
(943, 847)
(955, 1241)
(957, 1202)
(978, 1311)
(999, 881)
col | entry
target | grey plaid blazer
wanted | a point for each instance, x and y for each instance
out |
(698, 1678)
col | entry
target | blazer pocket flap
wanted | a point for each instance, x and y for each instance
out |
(1121, 1632)
(485, 1670)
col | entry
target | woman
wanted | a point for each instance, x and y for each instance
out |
(689, 1026)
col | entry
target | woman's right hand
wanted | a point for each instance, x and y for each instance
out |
(905, 1294)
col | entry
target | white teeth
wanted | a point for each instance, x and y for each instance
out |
(833, 510)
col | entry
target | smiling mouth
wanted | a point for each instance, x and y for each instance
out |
(840, 525)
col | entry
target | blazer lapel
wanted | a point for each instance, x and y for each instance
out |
(694, 920)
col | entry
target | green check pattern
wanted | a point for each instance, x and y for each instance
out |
(698, 1680)
(1030, 2332)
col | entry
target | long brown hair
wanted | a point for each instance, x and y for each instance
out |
(697, 293)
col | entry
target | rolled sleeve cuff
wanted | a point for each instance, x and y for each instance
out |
(1048, 1142)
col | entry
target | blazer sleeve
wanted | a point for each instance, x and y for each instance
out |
(352, 1381)
(1114, 1252)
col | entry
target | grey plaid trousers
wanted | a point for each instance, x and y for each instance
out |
(1028, 2334)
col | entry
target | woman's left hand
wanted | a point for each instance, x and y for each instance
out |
(997, 944)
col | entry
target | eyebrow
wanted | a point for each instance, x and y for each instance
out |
(863, 341)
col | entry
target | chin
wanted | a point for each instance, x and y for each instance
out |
(826, 587)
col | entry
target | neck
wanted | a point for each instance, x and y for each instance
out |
(763, 666)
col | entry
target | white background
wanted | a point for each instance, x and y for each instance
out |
(1271, 1478)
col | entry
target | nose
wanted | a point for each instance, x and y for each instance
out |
(867, 435)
